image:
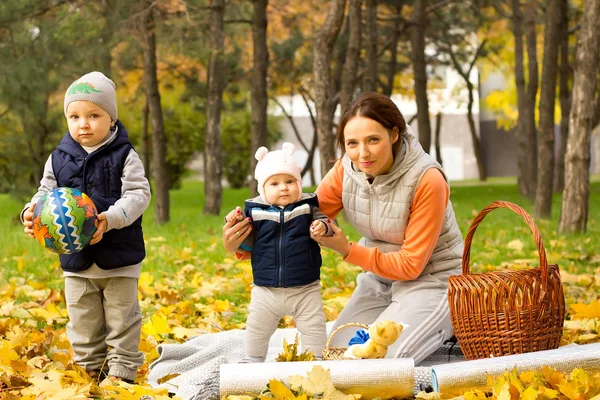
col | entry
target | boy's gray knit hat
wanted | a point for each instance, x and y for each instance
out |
(96, 88)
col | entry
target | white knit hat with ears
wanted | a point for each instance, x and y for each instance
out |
(275, 163)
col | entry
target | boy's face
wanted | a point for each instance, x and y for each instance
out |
(88, 123)
(281, 190)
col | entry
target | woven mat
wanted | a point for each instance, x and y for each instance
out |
(198, 360)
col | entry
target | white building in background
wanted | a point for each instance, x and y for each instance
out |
(455, 139)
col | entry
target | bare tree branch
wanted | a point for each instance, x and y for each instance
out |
(292, 122)
(36, 13)
(437, 6)
(237, 21)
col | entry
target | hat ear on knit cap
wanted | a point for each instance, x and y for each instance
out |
(275, 163)
(96, 88)
(261, 153)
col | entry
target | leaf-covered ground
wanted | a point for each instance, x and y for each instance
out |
(36, 358)
(190, 286)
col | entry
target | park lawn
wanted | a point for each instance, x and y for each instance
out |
(192, 234)
(190, 285)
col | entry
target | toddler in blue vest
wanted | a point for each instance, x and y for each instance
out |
(101, 281)
(286, 262)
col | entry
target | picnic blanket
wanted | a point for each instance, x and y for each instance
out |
(197, 362)
(456, 378)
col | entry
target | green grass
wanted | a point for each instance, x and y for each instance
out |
(193, 238)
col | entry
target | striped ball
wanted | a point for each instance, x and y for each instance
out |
(64, 220)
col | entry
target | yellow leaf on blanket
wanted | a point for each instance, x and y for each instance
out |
(167, 378)
(319, 381)
(280, 391)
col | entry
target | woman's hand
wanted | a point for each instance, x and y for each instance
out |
(338, 242)
(235, 230)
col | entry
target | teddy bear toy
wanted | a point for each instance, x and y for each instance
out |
(380, 336)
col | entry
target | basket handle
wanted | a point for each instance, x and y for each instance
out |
(339, 328)
(534, 229)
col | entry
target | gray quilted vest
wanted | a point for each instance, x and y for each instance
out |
(379, 211)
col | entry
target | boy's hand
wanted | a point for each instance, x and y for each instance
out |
(100, 229)
(234, 216)
(28, 220)
(318, 228)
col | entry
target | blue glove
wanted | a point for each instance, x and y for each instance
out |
(360, 337)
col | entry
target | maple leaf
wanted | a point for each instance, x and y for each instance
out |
(50, 386)
(475, 395)
(290, 352)
(167, 378)
(583, 311)
(7, 355)
(157, 326)
(280, 391)
(318, 382)
(119, 390)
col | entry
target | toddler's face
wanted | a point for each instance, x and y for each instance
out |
(281, 190)
(88, 123)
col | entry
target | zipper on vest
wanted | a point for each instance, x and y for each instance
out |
(279, 282)
(370, 186)
(84, 175)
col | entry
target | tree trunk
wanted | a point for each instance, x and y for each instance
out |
(474, 137)
(324, 40)
(391, 72)
(370, 81)
(565, 106)
(352, 55)
(109, 13)
(212, 150)
(543, 194)
(597, 111)
(521, 130)
(596, 149)
(532, 88)
(417, 38)
(259, 84)
(159, 140)
(146, 141)
(574, 212)
(438, 130)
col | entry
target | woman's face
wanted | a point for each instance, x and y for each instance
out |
(368, 144)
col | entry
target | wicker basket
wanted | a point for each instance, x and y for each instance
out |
(511, 312)
(337, 353)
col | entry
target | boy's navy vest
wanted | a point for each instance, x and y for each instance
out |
(98, 175)
(283, 254)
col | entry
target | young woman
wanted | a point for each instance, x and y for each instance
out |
(397, 198)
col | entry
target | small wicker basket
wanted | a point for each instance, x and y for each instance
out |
(508, 312)
(337, 353)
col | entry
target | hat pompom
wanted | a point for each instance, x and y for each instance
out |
(261, 153)
(288, 148)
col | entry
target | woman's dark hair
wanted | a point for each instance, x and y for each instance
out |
(377, 107)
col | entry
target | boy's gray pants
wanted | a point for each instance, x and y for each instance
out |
(268, 305)
(422, 304)
(105, 313)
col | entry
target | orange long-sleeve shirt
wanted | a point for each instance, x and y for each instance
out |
(421, 233)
